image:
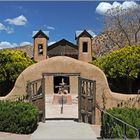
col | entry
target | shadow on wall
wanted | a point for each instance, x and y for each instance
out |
(121, 85)
(5, 88)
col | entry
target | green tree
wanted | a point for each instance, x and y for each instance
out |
(12, 63)
(123, 63)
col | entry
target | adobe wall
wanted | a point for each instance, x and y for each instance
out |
(63, 64)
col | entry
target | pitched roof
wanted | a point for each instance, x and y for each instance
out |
(89, 33)
(63, 47)
(40, 32)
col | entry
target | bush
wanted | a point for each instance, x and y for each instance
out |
(121, 66)
(112, 128)
(18, 117)
(12, 63)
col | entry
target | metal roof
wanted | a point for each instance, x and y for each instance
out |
(45, 32)
(89, 31)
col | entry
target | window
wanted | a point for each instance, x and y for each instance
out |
(40, 49)
(85, 47)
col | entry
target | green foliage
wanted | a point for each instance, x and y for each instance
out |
(112, 128)
(12, 63)
(18, 117)
(121, 64)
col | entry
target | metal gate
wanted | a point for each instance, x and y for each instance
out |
(87, 100)
(36, 95)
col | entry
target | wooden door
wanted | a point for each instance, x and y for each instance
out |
(86, 100)
(36, 95)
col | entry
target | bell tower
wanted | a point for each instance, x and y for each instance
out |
(40, 45)
(84, 42)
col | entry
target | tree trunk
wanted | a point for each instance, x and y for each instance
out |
(129, 85)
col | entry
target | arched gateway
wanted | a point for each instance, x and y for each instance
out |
(82, 79)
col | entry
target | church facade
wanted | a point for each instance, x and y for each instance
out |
(82, 50)
(61, 79)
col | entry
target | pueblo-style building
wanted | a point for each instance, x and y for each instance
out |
(82, 50)
(58, 78)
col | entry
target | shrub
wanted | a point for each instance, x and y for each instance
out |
(18, 117)
(112, 128)
(12, 63)
(121, 66)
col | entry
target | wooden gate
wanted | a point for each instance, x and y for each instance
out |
(36, 95)
(87, 100)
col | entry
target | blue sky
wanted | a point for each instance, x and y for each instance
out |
(19, 19)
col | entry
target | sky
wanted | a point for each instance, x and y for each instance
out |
(62, 19)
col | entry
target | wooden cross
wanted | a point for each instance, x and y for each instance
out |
(62, 88)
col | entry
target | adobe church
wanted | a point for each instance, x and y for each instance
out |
(81, 51)
(65, 63)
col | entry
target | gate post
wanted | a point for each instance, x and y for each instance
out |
(28, 91)
(79, 100)
(43, 92)
(94, 103)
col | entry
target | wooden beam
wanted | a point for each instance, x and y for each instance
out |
(61, 74)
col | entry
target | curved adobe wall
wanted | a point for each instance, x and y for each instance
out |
(69, 65)
(58, 64)
(63, 64)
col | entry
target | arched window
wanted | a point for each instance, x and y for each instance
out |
(85, 47)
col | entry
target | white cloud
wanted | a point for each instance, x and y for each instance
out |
(2, 27)
(103, 7)
(50, 28)
(129, 4)
(5, 44)
(20, 20)
(52, 42)
(9, 30)
(25, 43)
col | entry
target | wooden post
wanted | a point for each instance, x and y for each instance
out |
(94, 103)
(79, 99)
(29, 92)
(43, 94)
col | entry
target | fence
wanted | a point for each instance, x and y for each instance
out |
(113, 127)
